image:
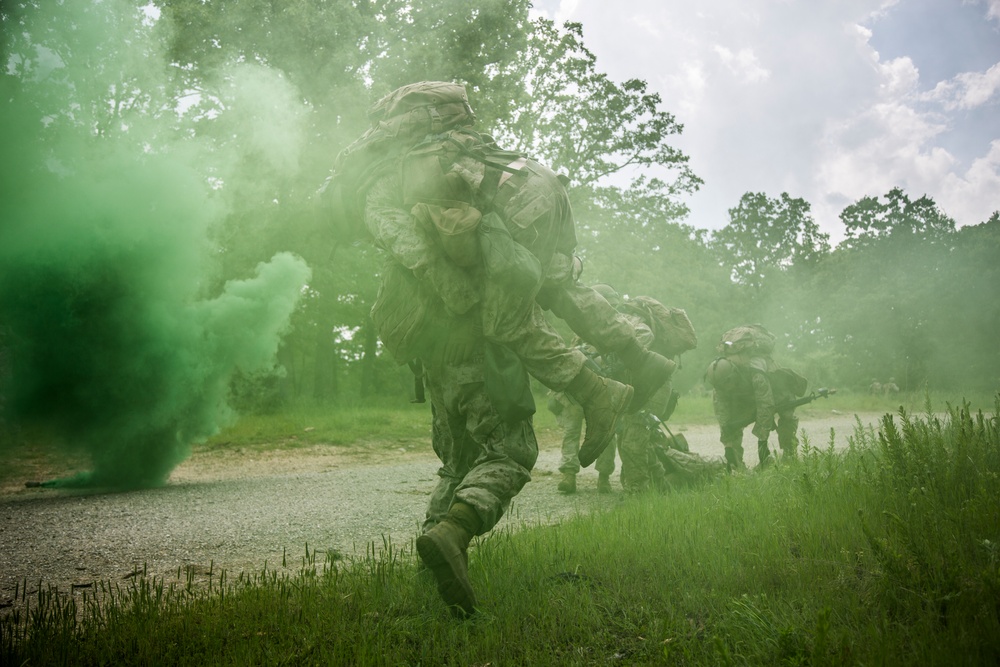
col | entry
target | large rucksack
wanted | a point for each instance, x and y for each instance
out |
(673, 332)
(747, 340)
(400, 120)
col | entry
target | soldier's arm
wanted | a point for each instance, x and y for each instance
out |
(393, 228)
(397, 232)
(721, 408)
(642, 331)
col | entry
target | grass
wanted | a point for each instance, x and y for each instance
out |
(887, 553)
(311, 424)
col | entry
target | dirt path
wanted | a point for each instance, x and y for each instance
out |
(237, 511)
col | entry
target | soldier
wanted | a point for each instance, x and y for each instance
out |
(642, 469)
(890, 388)
(486, 229)
(750, 388)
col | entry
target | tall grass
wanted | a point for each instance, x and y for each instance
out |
(882, 554)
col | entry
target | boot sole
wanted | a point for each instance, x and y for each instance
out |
(449, 568)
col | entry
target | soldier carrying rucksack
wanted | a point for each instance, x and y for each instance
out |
(750, 387)
(489, 236)
(476, 239)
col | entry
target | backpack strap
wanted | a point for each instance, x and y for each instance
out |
(500, 165)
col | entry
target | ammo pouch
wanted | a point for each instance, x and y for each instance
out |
(399, 313)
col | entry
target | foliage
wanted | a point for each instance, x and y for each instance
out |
(935, 536)
(270, 92)
(870, 220)
(765, 236)
(919, 311)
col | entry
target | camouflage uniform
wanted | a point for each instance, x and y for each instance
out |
(751, 399)
(485, 461)
(535, 208)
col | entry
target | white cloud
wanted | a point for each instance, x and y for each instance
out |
(743, 64)
(900, 78)
(792, 96)
(888, 144)
(973, 196)
(967, 90)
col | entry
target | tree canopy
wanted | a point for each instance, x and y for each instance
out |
(258, 97)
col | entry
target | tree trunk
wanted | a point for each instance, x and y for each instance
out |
(369, 375)
(325, 385)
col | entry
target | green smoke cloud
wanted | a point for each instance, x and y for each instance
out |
(111, 335)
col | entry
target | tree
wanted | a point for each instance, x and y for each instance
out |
(887, 299)
(765, 237)
(870, 219)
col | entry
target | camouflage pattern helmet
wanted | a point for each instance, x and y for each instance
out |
(610, 294)
(722, 374)
(413, 111)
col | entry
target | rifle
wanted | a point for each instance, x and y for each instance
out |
(808, 398)
(663, 436)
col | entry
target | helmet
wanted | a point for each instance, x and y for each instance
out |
(722, 374)
(609, 293)
(419, 109)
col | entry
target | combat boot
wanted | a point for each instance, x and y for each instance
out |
(648, 371)
(568, 483)
(603, 483)
(443, 549)
(603, 401)
(734, 459)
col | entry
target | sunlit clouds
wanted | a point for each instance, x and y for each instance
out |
(831, 101)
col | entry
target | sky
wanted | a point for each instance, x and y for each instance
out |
(827, 100)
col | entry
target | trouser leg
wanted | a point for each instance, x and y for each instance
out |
(787, 428)
(605, 464)
(571, 423)
(732, 442)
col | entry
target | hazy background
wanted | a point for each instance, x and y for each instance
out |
(164, 261)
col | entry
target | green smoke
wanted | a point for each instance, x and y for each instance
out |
(112, 335)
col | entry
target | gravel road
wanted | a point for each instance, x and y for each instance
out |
(237, 511)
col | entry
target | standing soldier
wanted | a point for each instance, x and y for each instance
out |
(750, 388)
